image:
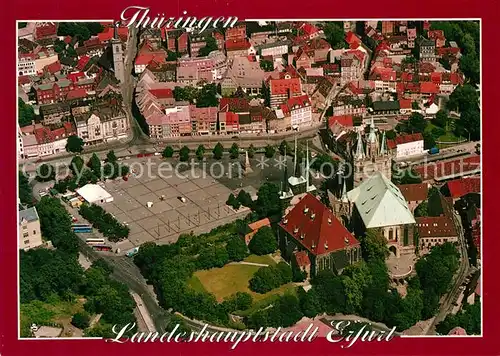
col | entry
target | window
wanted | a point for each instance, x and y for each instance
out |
(25, 227)
(25, 234)
(34, 232)
(26, 242)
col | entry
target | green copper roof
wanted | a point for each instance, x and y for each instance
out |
(380, 203)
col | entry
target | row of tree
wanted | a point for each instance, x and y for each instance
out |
(104, 222)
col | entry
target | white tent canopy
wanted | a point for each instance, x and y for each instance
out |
(93, 194)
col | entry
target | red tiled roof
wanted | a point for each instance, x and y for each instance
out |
(281, 86)
(237, 45)
(436, 35)
(399, 140)
(260, 223)
(435, 226)
(76, 94)
(414, 192)
(162, 93)
(344, 120)
(296, 102)
(74, 77)
(429, 88)
(23, 79)
(53, 67)
(351, 38)
(315, 227)
(302, 259)
(232, 119)
(443, 169)
(405, 104)
(67, 39)
(462, 186)
(82, 62)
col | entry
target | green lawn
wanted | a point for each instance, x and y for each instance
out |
(450, 137)
(40, 313)
(226, 281)
(266, 259)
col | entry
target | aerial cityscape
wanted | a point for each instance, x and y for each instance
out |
(265, 176)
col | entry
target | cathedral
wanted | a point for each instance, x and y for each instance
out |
(374, 158)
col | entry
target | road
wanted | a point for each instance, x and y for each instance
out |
(463, 271)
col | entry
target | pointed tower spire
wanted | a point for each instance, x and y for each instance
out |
(284, 187)
(307, 166)
(372, 138)
(360, 151)
(383, 148)
(295, 156)
(344, 193)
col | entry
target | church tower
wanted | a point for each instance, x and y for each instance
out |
(118, 65)
(375, 158)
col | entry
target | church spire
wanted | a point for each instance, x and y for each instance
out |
(307, 166)
(372, 138)
(343, 198)
(383, 148)
(284, 188)
(295, 156)
(360, 151)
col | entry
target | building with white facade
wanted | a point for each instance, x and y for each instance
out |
(299, 108)
(30, 235)
(101, 125)
(26, 64)
(406, 145)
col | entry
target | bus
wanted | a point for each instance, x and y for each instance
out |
(82, 230)
(102, 248)
(80, 225)
(95, 241)
(132, 252)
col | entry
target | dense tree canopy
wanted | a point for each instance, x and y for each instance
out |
(26, 113)
(263, 242)
(218, 151)
(268, 202)
(468, 318)
(45, 173)
(25, 190)
(210, 45)
(74, 144)
(236, 248)
(184, 154)
(168, 152)
(334, 33)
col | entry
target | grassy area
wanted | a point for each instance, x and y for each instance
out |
(56, 313)
(195, 283)
(266, 259)
(450, 137)
(226, 281)
(268, 298)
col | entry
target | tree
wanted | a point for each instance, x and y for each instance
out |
(421, 209)
(284, 148)
(406, 176)
(184, 154)
(168, 152)
(45, 173)
(251, 151)
(309, 302)
(468, 318)
(26, 113)
(232, 201)
(266, 94)
(269, 151)
(355, 278)
(111, 157)
(200, 151)
(208, 96)
(374, 245)
(263, 242)
(234, 151)
(416, 123)
(265, 279)
(172, 56)
(80, 320)
(25, 190)
(434, 205)
(442, 120)
(463, 98)
(268, 202)
(334, 33)
(390, 134)
(236, 249)
(95, 165)
(330, 293)
(77, 165)
(245, 199)
(210, 45)
(266, 65)
(218, 151)
(74, 144)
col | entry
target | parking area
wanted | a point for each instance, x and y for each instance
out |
(189, 202)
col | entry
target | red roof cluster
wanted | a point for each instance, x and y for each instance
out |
(460, 187)
(315, 227)
(429, 88)
(45, 135)
(75, 76)
(405, 104)
(82, 62)
(79, 93)
(399, 140)
(296, 102)
(53, 67)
